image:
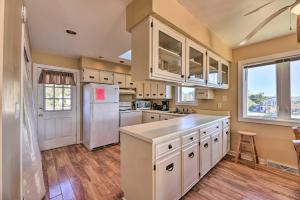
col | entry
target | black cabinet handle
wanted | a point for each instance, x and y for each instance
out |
(154, 94)
(227, 132)
(216, 139)
(148, 94)
(140, 94)
(166, 119)
(152, 117)
(106, 79)
(131, 83)
(191, 138)
(92, 76)
(227, 122)
(205, 145)
(161, 94)
(170, 146)
(119, 82)
(217, 127)
(189, 77)
(170, 167)
(191, 155)
(182, 76)
(204, 132)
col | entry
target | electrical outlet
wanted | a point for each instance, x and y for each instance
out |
(219, 105)
(224, 98)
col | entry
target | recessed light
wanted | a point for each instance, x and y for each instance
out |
(71, 32)
(121, 61)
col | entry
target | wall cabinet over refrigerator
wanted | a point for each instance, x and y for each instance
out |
(161, 53)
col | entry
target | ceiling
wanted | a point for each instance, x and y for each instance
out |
(101, 24)
(100, 27)
(225, 18)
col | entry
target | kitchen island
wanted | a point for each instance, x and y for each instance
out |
(163, 160)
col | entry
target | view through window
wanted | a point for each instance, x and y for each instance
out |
(271, 91)
(57, 97)
(186, 95)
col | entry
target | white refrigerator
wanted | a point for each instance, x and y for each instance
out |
(100, 115)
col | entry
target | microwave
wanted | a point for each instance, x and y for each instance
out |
(143, 105)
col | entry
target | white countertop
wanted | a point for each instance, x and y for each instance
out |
(155, 111)
(155, 132)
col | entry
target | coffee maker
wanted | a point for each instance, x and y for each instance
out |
(165, 105)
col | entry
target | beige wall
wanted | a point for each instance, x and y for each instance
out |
(179, 18)
(10, 96)
(103, 65)
(273, 142)
(54, 60)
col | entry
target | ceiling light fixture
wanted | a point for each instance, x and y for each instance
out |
(71, 32)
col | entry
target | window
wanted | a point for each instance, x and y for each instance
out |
(186, 96)
(57, 97)
(270, 91)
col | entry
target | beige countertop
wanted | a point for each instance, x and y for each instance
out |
(159, 131)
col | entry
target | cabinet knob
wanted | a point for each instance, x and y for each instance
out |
(161, 94)
(217, 126)
(166, 119)
(148, 94)
(189, 77)
(216, 139)
(154, 94)
(204, 132)
(182, 76)
(227, 132)
(170, 146)
(191, 138)
(152, 117)
(131, 83)
(119, 82)
(170, 167)
(191, 155)
(92, 76)
(106, 79)
(140, 94)
(205, 145)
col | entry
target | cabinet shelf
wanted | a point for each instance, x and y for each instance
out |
(171, 53)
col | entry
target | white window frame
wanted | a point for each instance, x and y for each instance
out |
(242, 93)
(186, 103)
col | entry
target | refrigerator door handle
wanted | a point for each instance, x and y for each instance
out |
(92, 111)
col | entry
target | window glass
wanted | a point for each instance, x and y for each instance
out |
(186, 95)
(261, 91)
(57, 97)
(295, 89)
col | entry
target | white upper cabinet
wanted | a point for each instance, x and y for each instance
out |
(195, 63)
(120, 79)
(213, 70)
(139, 90)
(168, 52)
(90, 75)
(129, 83)
(224, 70)
(106, 77)
(161, 53)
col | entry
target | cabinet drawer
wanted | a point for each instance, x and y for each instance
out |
(90, 75)
(152, 117)
(190, 167)
(210, 129)
(191, 137)
(167, 147)
(166, 117)
(226, 123)
(106, 77)
(216, 143)
(168, 177)
(226, 141)
(205, 155)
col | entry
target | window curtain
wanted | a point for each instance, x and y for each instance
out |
(56, 77)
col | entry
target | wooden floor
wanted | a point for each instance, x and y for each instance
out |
(74, 173)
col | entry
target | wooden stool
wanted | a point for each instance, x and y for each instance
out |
(242, 136)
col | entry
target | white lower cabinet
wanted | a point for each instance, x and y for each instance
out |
(205, 155)
(150, 117)
(168, 177)
(226, 141)
(216, 147)
(190, 167)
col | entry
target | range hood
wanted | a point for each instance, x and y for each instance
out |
(127, 91)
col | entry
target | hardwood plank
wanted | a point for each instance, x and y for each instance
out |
(96, 175)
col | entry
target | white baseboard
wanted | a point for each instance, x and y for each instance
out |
(269, 163)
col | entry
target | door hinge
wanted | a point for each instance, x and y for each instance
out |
(151, 70)
(154, 167)
(151, 24)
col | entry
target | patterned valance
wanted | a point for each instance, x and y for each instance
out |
(56, 77)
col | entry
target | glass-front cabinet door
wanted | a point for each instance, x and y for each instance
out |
(195, 63)
(168, 52)
(213, 70)
(224, 74)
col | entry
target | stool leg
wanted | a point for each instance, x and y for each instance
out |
(238, 149)
(253, 151)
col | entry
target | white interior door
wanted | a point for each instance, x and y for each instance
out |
(56, 115)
